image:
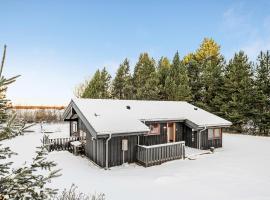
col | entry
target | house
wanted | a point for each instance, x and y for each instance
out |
(146, 132)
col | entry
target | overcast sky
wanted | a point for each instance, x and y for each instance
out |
(55, 45)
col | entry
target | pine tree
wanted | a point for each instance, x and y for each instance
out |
(122, 85)
(194, 71)
(105, 81)
(212, 63)
(205, 70)
(163, 71)
(92, 90)
(177, 83)
(262, 100)
(98, 87)
(238, 91)
(145, 78)
(24, 182)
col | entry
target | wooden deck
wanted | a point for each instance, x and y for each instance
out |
(59, 144)
(157, 154)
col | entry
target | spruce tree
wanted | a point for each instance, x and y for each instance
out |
(163, 71)
(92, 90)
(122, 85)
(24, 182)
(105, 81)
(98, 87)
(238, 91)
(177, 83)
(212, 63)
(194, 71)
(205, 70)
(262, 100)
(145, 78)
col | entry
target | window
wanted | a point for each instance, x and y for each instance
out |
(210, 134)
(217, 133)
(214, 133)
(74, 127)
(154, 129)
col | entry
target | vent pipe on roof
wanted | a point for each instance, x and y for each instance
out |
(195, 108)
(128, 107)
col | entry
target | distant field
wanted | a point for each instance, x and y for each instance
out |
(23, 107)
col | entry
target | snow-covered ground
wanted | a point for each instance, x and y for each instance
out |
(240, 170)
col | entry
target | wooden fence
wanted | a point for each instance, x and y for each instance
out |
(157, 154)
(59, 144)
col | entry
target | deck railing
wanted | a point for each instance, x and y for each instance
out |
(58, 144)
(157, 154)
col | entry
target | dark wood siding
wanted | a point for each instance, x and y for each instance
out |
(206, 144)
(95, 149)
(155, 139)
(179, 131)
(162, 137)
(101, 152)
(116, 153)
(190, 137)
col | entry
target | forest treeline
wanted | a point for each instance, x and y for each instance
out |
(237, 89)
(40, 115)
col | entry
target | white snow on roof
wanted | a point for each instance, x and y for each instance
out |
(113, 116)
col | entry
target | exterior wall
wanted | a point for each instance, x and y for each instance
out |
(155, 139)
(206, 144)
(179, 131)
(190, 137)
(95, 150)
(162, 137)
(116, 153)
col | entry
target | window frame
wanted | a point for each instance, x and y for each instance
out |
(214, 133)
(153, 125)
(74, 127)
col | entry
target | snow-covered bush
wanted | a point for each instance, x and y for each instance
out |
(72, 194)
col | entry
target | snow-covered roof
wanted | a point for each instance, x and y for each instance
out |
(125, 116)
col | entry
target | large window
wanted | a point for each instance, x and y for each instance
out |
(154, 129)
(217, 133)
(214, 133)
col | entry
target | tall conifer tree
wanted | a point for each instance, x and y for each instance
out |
(205, 69)
(122, 85)
(238, 91)
(163, 73)
(262, 100)
(92, 90)
(177, 83)
(99, 86)
(145, 78)
(105, 83)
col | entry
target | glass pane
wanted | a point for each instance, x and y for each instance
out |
(210, 134)
(217, 133)
(154, 129)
